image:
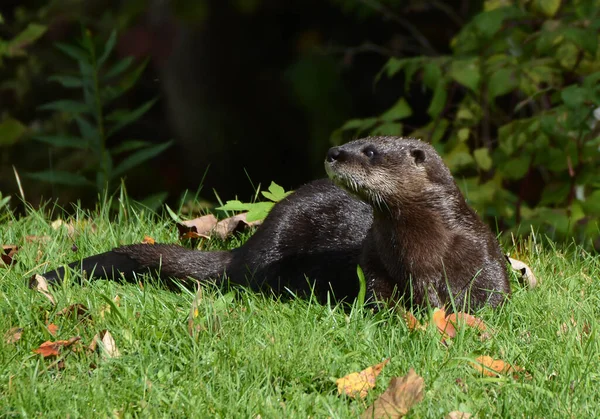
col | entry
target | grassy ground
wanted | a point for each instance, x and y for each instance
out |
(258, 357)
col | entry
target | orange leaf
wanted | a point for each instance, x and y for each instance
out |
(358, 384)
(469, 320)
(443, 325)
(400, 396)
(493, 367)
(148, 240)
(53, 329)
(49, 348)
(411, 322)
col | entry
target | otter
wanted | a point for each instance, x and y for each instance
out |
(391, 206)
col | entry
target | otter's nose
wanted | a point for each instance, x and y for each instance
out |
(333, 154)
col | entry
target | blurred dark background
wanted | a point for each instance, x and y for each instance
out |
(249, 90)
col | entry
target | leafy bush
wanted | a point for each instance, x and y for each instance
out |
(514, 111)
(100, 85)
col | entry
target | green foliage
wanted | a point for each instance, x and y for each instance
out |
(11, 129)
(101, 85)
(515, 112)
(258, 210)
(362, 291)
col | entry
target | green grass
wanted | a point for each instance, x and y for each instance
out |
(259, 356)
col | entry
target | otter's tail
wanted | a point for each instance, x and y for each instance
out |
(168, 261)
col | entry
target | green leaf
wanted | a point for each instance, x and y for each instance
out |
(234, 205)
(466, 72)
(115, 90)
(118, 68)
(388, 128)
(431, 75)
(89, 132)
(501, 82)
(69, 82)
(362, 286)
(517, 167)
(108, 47)
(259, 211)
(393, 66)
(139, 157)
(10, 131)
(547, 7)
(74, 52)
(585, 39)
(129, 145)
(60, 178)
(482, 158)
(256, 210)
(67, 106)
(126, 117)
(574, 96)
(438, 101)
(32, 32)
(400, 110)
(63, 141)
(360, 124)
(276, 193)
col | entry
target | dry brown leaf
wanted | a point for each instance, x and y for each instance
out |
(525, 271)
(39, 283)
(197, 228)
(53, 329)
(107, 346)
(457, 414)
(7, 254)
(13, 335)
(231, 225)
(400, 396)
(358, 384)
(148, 240)
(48, 348)
(494, 367)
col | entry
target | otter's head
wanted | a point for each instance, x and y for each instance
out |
(389, 171)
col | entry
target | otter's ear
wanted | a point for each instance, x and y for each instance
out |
(418, 155)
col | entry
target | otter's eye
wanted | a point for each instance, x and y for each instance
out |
(369, 152)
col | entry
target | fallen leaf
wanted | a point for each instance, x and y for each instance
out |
(7, 254)
(457, 414)
(231, 225)
(13, 335)
(445, 327)
(48, 348)
(400, 396)
(494, 367)
(148, 240)
(412, 323)
(37, 239)
(197, 228)
(39, 283)
(53, 329)
(358, 384)
(467, 319)
(107, 344)
(525, 271)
